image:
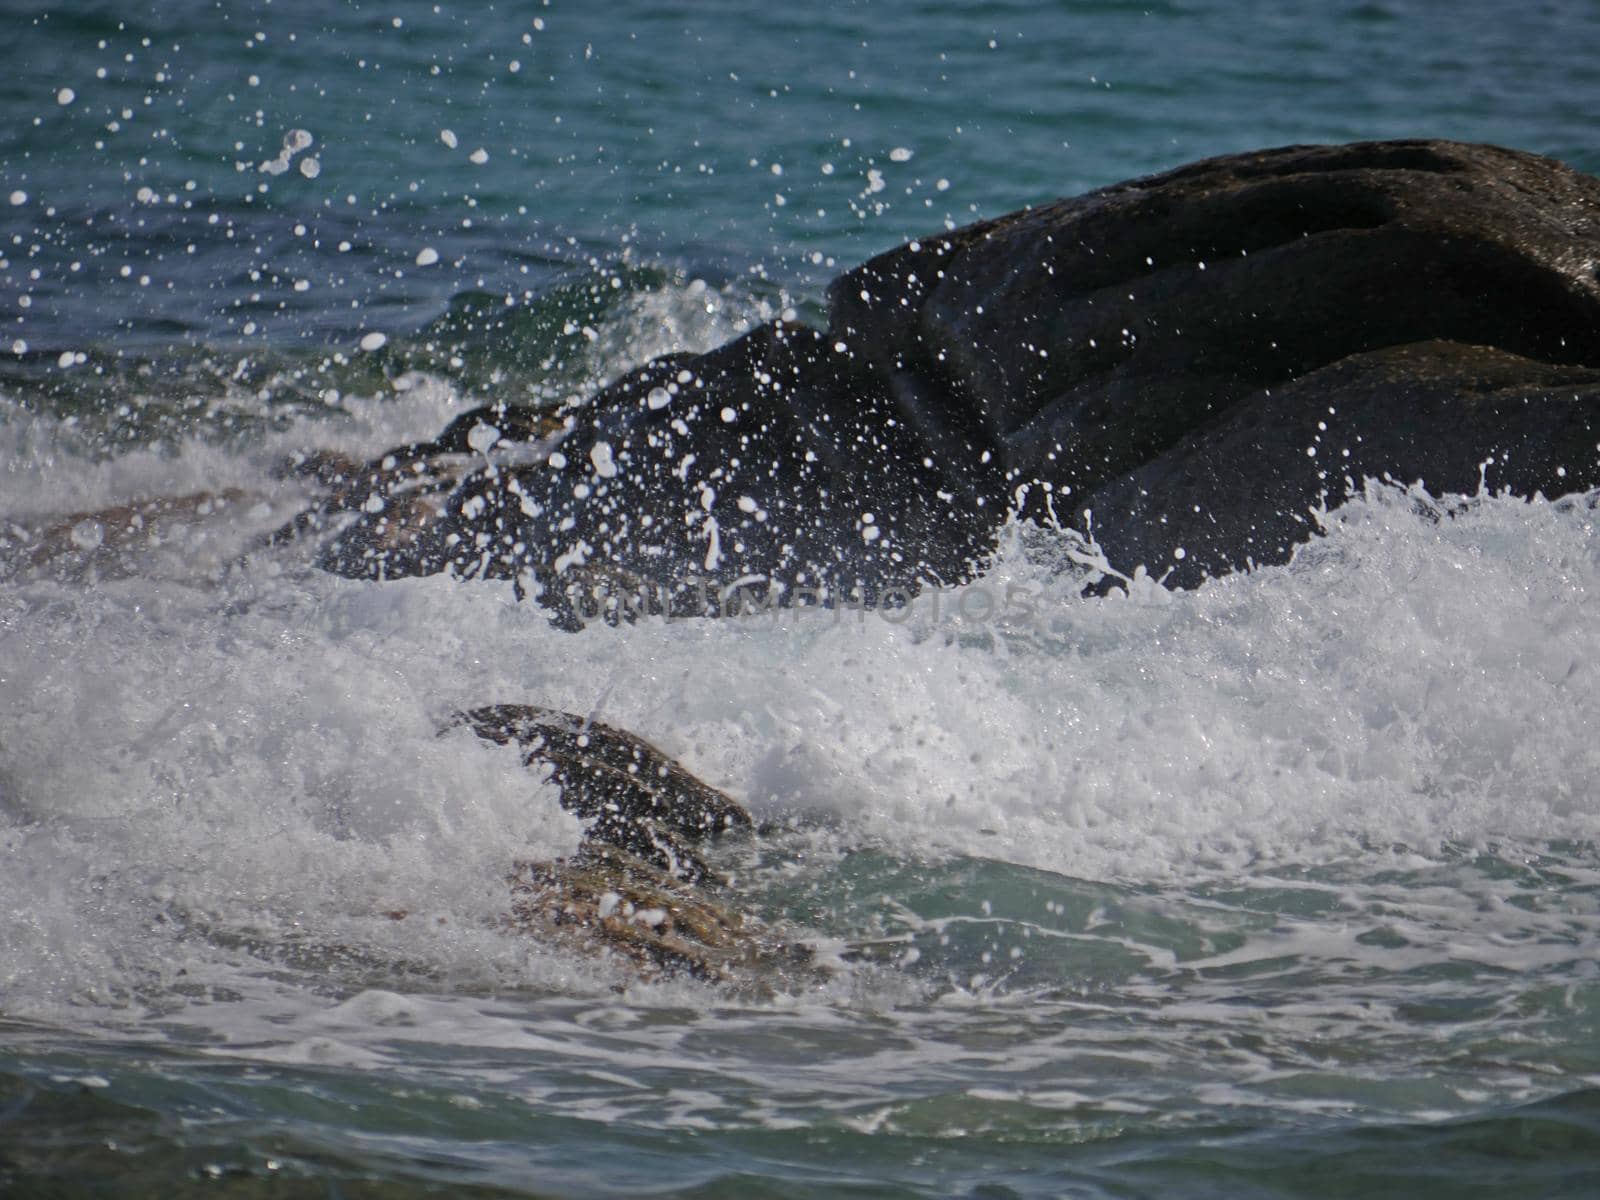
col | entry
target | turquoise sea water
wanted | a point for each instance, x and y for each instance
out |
(1286, 887)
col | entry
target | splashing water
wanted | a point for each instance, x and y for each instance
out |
(1285, 886)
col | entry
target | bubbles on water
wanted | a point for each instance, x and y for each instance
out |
(374, 341)
(427, 256)
(87, 535)
(600, 456)
(66, 96)
(482, 437)
(294, 142)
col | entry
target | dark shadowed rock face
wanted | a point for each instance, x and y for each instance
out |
(1165, 354)
(1088, 336)
(1242, 489)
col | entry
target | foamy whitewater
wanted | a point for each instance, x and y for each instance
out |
(1285, 887)
(1310, 835)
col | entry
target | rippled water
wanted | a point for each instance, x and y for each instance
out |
(1284, 887)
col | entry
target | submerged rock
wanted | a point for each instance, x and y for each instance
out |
(638, 887)
(607, 899)
(103, 543)
(1182, 360)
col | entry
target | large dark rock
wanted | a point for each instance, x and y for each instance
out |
(1455, 417)
(1091, 336)
(1164, 354)
(772, 462)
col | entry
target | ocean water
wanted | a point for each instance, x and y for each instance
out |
(1285, 887)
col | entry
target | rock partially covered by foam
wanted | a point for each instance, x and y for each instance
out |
(1194, 362)
(638, 887)
(773, 462)
(1190, 355)
(609, 901)
(1250, 486)
(631, 794)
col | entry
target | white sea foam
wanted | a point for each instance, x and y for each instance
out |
(208, 775)
(1411, 680)
(264, 762)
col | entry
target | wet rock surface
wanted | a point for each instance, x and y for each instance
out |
(1246, 488)
(1181, 360)
(634, 797)
(607, 900)
(638, 887)
(771, 462)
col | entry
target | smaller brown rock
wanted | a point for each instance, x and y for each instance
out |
(606, 898)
